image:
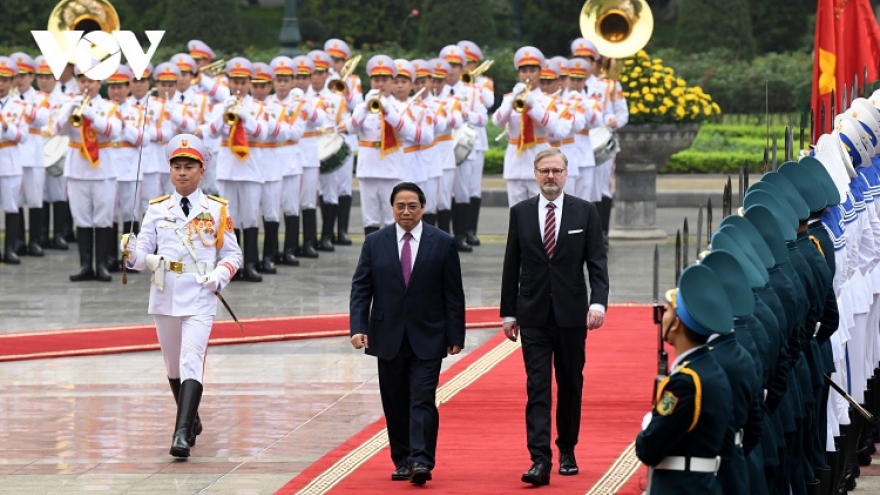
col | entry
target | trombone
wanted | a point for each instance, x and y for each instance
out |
(519, 102)
(338, 85)
(76, 118)
(213, 69)
(469, 76)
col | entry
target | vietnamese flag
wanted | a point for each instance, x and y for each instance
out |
(847, 41)
(389, 142)
(238, 142)
(88, 144)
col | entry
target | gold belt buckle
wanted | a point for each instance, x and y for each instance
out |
(175, 266)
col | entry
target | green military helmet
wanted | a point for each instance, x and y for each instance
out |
(756, 276)
(832, 194)
(753, 237)
(767, 226)
(781, 211)
(805, 184)
(701, 302)
(789, 193)
(731, 274)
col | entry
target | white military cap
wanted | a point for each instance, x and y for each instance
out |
(123, 75)
(453, 54)
(25, 63)
(184, 62)
(439, 68)
(283, 66)
(583, 47)
(77, 72)
(263, 73)
(337, 48)
(381, 65)
(528, 55)
(149, 70)
(562, 63)
(321, 59)
(851, 138)
(166, 71)
(422, 67)
(186, 145)
(550, 69)
(578, 68)
(471, 50)
(405, 69)
(303, 65)
(200, 49)
(8, 67)
(240, 67)
(43, 66)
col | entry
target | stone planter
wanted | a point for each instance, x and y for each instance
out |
(644, 149)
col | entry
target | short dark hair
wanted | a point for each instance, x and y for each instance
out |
(408, 186)
(693, 336)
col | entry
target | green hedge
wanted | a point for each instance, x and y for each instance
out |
(723, 148)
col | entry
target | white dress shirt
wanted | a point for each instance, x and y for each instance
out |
(413, 243)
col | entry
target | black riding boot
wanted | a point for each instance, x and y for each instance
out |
(291, 240)
(69, 232)
(86, 245)
(328, 217)
(44, 226)
(13, 222)
(605, 214)
(270, 247)
(197, 423)
(35, 219)
(187, 407)
(342, 218)
(459, 226)
(251, 255)
(20, 244)
(443, 218)
(105, 241)
(473, 219)
(430, 219)
(60, 224)
(310, 233)
(113, 263)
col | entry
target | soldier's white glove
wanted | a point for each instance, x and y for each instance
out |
(130, 246)
(230, 102)
(388, 104)
(360, 113)
(76, 100)
(373, 93)
(519, 88)
(647, 419)
(531, 99)
(214, 280)
(243, 113)
(89, 112)
(297, 93)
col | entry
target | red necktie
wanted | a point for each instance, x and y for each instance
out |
(550, 230)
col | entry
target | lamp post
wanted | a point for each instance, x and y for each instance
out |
(289, 37)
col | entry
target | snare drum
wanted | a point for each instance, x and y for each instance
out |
(604, 143)
(54, 153)
(464, 138)
(332, 151)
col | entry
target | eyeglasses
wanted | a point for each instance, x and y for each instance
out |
(547, 171)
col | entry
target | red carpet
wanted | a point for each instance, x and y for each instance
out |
(482, 444)
(109, 340)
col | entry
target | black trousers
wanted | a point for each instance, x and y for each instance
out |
(563, 350)
(408, 386)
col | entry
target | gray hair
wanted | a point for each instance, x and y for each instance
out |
(550, 152)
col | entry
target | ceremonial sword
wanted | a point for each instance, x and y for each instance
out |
(125, 252)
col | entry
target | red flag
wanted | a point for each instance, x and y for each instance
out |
(847, 41)
(238, 143)
(389, 142)
(88, 147)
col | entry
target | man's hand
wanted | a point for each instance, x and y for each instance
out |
(453, 350)
(595, 319)
(511, 330)
(612, 122)
(359, 341)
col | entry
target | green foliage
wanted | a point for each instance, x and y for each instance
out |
(494, 164)
(377, 21)
(311, 29)
(705, 24)
(550, 25)
(442, 22)
(19, 17)
(207, 20)
(723, 148)
(780, 26)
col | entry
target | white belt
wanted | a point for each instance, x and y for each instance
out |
(738, 438)
(692, 464)
(159, 265)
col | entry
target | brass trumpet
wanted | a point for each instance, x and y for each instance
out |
(519, 102)
(76, 118)
(374, 105)
(469, 76)
(213, 69)
(338, 86)
(231, 117)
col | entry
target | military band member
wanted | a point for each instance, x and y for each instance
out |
(157, 133)
(239, 174)
(55, 188)
(449, 109)
(554, 76)
(416, 159)
(298, 110)
(308, 149)
(577, 75)
(428, 154)
(67, 83)
(13, 131)
(380, 155)
(215, 87)
(616, 115)
(200, 106)
(196, 255)
(91, 181)
(526, 130)
(33, 166)
(174, 109)
(468, 175)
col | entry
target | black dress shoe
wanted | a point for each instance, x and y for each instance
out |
(402, 473)
(567, 465)
(420, 474)
(538, 474)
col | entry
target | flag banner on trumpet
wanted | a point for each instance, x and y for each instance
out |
(389, 143)
(88, 145)
(238, 142)
(527, 137)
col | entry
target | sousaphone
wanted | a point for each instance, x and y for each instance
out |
(618, 28)
(83, 15)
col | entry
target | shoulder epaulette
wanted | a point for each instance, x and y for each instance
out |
(160, 199)
(218, 199)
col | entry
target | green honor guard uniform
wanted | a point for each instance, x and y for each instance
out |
(683, 435)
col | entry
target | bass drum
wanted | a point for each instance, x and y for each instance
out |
(332, 151)
(604, 143)
(54, 153)
(464, 138)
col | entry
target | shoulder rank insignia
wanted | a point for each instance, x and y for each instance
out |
(666, 404)
(160, 199)
(218, 199)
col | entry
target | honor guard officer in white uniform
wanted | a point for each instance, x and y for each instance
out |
(308, 146)
(426, 155)
(123, 155)
(594, 89)
(554, 77)
(33, 165)
(297, 110)
(380, 153)
(217, 88)
(156, 134)
(339, 53)
(449, 109)
(336, 110)
(13, 131)
(468, 175)
(578, 71)
(525, 114)
(55, 185)
(91, 181)
(239, 174)
(174, 109)
(271, 162)
(196, 255)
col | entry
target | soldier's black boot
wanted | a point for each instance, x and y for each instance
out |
(11, 233)
(239, 275)
(605, 214)
(443, 218)
(59, 226)
(310, 233)
(44, 226)
(35, 221)
(251, 255)
(69, 232)
(20, 244)
(113, 263)
(342, 218)
(328, 217)
(187, 406)
(270, 247)
(370, 230)
(430, 219)
(86, 245)
(291, 240)
(459, 226)
(473, 220)
(104, 239)
(197, 423)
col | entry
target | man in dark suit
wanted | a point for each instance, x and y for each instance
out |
(544, 299)
(407, 309)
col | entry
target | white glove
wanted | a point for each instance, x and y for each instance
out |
(131, 245)
(388, 104)
(230, 102)
(89, 112)
(647, 420)
(243, 113)
(373, 93)
(530, 99)
(213, 281)
(297, 93)
(519, 88)
(76, 100)
(360, 113)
